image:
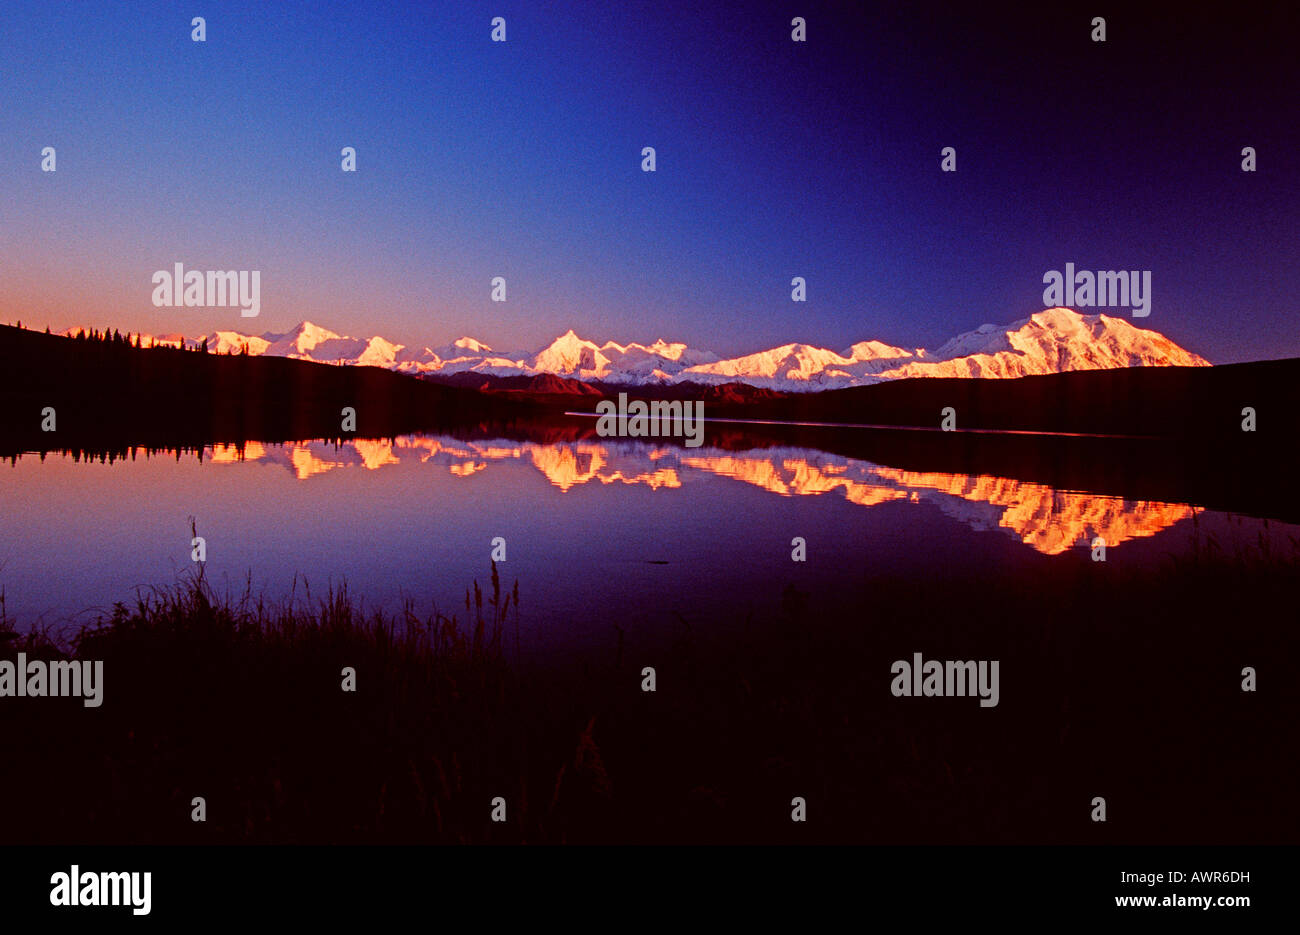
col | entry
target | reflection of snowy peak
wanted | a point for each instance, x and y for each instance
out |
(1050, 341)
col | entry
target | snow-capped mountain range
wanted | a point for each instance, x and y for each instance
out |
(1050, 341)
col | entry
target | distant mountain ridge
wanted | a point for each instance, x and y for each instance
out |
(1052, 341)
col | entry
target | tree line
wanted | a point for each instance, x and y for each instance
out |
(115, 337)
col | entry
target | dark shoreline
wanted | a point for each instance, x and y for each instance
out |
(1114, 683)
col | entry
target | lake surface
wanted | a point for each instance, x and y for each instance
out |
(598, 532)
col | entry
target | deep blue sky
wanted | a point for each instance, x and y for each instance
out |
(775, 159)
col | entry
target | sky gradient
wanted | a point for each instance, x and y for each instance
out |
(775, 159)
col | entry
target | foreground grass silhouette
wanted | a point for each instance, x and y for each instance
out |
(1119, 684)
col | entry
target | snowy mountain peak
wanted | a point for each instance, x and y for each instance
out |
(308, 334)
(569, 354)
(232, 342)
(1050, 341)
(1060, 318)
(876, 350)
(379, 352)
(299, 341)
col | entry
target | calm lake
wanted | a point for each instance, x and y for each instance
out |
(597, 532)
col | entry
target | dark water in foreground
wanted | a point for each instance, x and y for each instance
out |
(597, 532)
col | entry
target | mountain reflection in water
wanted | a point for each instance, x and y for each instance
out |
(1047, 520)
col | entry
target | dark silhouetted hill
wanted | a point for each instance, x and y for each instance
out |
(108, 393)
